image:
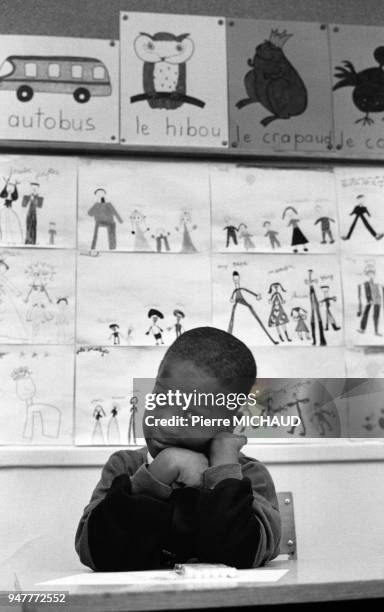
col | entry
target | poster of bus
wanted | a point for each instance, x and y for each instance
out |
(59, 89)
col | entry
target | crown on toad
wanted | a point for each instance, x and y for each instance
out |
(21, 372)
(278, 39)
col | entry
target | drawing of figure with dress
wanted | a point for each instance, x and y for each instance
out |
(32, 201)
(139, 229)
(62, 320)
(113, 429)
(237, 298)
(298, 238)
(271, 235)
(132, 421)
(300, 315)
(97, 433)
(48, 415)
(179, 315)
(161, 240)
(40, 274)
(185, 226)
(10, 225)
(278, 317)
(155, 330)
(246, 236)
(11, 323)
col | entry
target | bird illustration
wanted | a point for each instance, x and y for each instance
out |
(165, 56)
(274, 82)
(368, 86)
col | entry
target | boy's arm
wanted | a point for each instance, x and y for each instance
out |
(123, 525)
(238, 512)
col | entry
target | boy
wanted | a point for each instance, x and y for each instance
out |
(186, 496)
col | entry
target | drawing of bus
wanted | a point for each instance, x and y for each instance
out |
(82, 77)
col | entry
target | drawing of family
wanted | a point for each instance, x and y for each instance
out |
(11, 232)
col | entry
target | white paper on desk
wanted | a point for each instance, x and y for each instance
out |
(161, 576)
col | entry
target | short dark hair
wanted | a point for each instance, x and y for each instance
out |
(218, 353)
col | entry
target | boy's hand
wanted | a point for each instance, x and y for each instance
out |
(179, 465)
(225, 448)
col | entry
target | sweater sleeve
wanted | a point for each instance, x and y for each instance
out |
(239, 520)
(111, 533)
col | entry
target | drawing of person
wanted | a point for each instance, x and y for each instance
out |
(132, 421)
(40, 274)
(231, 232)
(319, 419)
(49, 415)
(299, 314)
(246, 236)
(271, 234)
(115, 335)
(62, 321)
(296, 403)
(10, 225)
(278, 317)
(325, 225)
(177, 326)
(11, 323)
(32, 201)
(113, 429)
(104, 214)
(155, 329)
(97, 433)
(361, 212)
(298, 238)
(161, 238)
(374, 298)
(138, 230)
(52, 231)
(130, 338)
(237, 298)
(327, 301)
(185, 226)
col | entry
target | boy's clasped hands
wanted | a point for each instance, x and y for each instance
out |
(177, 466)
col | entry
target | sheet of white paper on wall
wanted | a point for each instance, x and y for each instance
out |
(36, 394)
(107, 410)
(279, 86)
(361, 212)
(273, 210)
(363, 287)
(173, 80)
(357, 59)
(141, 299)
(280, 300)
(60, 89)
(144, 206)
(365, 400)
(37, 296)
(38, 201)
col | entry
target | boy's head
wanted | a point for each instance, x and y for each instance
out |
(206, 360)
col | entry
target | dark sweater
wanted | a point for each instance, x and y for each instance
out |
(135, 522)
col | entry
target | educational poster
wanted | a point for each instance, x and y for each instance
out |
(173, 80)
(365, 400)
(129, 299)
(160, 207)
(37, 296)
(279, 301)
(279, 86)
(363, 286)
(361, 211)
(38, 201)
(36, 394)
(61, 89)
(357, 60)
(107, 410)
(273, 210)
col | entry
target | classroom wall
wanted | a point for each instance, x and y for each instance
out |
(338, 511)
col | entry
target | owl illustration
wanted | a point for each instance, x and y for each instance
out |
(164, 72)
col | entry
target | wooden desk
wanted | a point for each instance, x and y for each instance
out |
(311, 580)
